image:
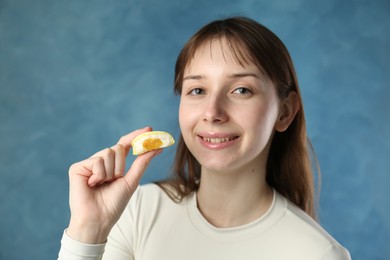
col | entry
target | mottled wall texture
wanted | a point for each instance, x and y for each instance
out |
(76, 75)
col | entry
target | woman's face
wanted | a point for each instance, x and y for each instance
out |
(227, 111)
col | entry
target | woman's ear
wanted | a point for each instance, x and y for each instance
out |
(289, 107)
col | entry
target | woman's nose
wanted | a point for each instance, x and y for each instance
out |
(215, 110)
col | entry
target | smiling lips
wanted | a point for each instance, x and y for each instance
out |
(219, 142)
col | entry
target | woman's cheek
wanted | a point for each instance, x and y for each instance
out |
(184, 117)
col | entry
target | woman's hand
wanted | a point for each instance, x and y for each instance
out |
(99, 190)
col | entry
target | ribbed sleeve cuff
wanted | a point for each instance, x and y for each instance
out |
(72, 249)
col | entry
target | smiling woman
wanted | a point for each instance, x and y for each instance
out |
(256, 51)
(242, 185)
(227, 101)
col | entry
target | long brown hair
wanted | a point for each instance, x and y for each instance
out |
(289, 166)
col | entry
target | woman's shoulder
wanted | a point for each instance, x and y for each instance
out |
(298, 225)
(148, 191)
(302, 219)
(150, 205)
(156, 189)
(149, 188)
(152, 193)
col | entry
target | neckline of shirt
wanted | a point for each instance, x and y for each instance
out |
(239, 233)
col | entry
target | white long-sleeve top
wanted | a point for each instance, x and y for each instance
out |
(155, 227)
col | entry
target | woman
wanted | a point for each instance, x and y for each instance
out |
(242, 185)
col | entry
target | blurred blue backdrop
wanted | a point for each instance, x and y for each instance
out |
(76, 75)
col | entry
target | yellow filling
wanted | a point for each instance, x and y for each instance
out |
(152, 143)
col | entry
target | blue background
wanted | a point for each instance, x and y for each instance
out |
(76, 75)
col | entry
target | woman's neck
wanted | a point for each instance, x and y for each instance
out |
(228, 199)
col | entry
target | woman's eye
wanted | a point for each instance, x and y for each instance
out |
(196, 91)
(242, 91)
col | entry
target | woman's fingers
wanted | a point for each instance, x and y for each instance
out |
(125, 140)
(109, 164)
(98, 171)
(103, 166)
(92, 170)
(137, 169)
(120, 160)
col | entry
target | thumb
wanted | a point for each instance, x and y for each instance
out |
(137, 169)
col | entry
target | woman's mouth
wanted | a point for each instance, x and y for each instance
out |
(218, 140)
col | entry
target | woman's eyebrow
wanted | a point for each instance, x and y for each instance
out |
(193, 77)
(243, 75)
(234, 76)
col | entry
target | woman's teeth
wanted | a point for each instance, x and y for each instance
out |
(218, 140)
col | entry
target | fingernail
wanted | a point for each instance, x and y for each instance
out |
(92, 184)
(92, 181)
